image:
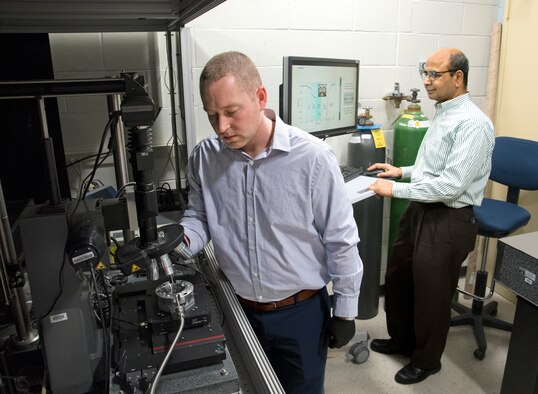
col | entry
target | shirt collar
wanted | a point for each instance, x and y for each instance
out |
(281, 137)
(452, 103)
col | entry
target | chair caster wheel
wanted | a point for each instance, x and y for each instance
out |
(479, 354)
(358, 353)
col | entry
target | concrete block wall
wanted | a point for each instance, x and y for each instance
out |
(389, 37)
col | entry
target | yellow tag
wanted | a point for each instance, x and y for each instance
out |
(379, 138)
(407, 116)
(100, 266)
(135, 268)
(112, 250)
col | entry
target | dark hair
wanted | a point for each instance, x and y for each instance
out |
(232, 63)
(458, 61)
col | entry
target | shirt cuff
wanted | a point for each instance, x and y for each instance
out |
(196, 244)
(406, 172)
(345, 306)
(400, 190)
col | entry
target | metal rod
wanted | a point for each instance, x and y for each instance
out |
(5, 240)
(482, 268)
(175, 141)
(120, 153)
(179, 61)
(49, 155)
(16, 299)
(474, 296)
(64, 87)
(118, 134)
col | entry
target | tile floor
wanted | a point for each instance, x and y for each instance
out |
(461, 372)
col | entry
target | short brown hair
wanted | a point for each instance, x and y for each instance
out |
(231, 63)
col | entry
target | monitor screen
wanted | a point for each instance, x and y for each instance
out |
(320, 95)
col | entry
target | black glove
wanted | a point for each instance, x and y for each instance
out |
(339, 332)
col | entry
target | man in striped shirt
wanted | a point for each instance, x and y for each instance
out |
(438, 229)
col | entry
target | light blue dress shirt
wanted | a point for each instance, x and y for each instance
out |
(454, 159)
(280, 222)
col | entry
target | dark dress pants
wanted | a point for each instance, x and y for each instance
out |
(422, 275)
(293, 339)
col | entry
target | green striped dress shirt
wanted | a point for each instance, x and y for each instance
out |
(454, 160)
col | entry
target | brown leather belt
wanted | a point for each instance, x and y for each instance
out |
(272, 306)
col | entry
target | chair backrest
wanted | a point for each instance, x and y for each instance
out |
(514, 163)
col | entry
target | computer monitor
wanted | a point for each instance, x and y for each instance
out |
(320, 95)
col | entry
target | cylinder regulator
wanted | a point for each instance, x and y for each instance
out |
(367, 145)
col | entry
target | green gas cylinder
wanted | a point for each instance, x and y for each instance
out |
(409, 130)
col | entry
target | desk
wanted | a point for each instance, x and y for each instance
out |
(517, 269)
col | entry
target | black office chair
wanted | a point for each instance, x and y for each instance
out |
(514, 164)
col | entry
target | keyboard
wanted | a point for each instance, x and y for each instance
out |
(350, 173)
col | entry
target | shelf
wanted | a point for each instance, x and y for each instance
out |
(80, 16)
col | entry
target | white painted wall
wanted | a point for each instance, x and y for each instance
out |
(389, 37)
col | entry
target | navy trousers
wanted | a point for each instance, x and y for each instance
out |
(293, 339)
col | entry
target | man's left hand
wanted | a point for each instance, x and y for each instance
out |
(382, 187)
(340, 332)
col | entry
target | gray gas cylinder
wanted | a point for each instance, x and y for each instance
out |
(368, 213)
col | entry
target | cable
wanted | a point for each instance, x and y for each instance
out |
(103, 327)
(100, 150)
(116, 242)
(168, 160)
(59, 292)
(81, 160)
(79, 197)
(172, 346)
(122, 189)
(86, 182)
(204, 276)
(165, 186)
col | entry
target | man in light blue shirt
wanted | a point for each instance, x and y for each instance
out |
(438, 230)
(271, 198)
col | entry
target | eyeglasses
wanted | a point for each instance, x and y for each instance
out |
(433, 74)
